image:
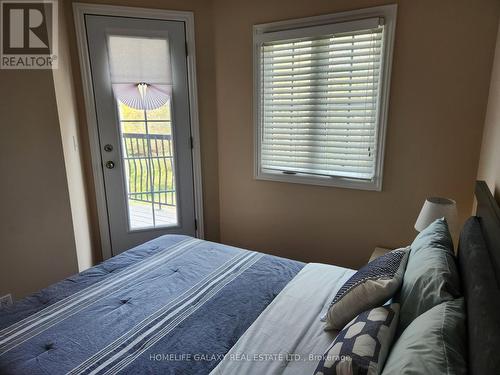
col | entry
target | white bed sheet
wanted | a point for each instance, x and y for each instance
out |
(288, 337)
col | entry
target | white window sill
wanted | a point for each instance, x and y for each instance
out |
(305, 179)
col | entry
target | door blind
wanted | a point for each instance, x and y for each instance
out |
(319, 100)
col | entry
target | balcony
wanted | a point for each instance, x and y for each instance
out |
(150, 178)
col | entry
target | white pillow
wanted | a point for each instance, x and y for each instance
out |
(371, 286)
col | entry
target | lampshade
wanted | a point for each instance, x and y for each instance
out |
(436, 208)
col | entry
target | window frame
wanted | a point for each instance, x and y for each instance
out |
(388, 13)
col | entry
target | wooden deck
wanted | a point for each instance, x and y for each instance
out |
(141, 215)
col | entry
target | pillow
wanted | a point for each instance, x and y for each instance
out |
(362, 346)
(434, 343)
(371, 286)
(435, 235)
(431, 276)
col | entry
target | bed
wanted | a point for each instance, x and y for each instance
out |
(179, 305)
(146, 310)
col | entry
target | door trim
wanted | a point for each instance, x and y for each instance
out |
(79, 11)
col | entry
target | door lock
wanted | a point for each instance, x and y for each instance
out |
(108, 148)
(110, 164)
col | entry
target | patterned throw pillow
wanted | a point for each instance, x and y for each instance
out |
(371, 286)
(361, 348)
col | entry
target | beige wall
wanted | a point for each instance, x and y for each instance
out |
(37, 246)
(442, 59)
(489, 165)
(439, 91)
(68, 123)
(203, 13)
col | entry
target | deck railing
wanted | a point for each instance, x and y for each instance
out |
(149, 164)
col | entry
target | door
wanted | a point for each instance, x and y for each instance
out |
(139, 76)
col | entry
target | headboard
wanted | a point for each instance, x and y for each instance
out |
(488, 213)
(479, 263)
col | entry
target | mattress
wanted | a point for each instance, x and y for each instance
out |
(288, 337)
(175, 305)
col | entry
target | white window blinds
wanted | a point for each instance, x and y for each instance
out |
(319, 98)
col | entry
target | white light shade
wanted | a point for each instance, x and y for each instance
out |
(139, 60)
(436, 208)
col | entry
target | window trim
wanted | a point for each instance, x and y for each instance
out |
(388, 13)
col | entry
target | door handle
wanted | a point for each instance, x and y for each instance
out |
(110, 164)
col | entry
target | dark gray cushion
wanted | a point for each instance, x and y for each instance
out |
(482, 296)
(431, 275)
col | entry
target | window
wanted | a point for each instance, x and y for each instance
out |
(141, 77)
(321, 94)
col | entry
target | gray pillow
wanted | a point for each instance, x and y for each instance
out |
(431, 275)
(435, 235)
(434, 343)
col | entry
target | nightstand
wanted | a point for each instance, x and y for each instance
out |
(379, 251)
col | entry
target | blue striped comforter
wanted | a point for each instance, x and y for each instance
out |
(174, 305)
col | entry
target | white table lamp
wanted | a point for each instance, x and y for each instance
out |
(436, 208)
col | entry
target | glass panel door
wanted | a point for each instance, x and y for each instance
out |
(140, 80)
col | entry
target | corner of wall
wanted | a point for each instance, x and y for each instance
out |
(489, 163)
(68, 123)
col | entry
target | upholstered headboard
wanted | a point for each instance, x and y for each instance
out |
(479, 261)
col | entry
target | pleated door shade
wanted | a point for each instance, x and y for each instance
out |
(436, 208)
(142, 95)
(140, 69)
